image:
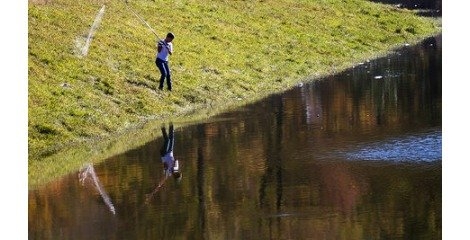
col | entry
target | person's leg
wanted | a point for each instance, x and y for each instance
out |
(168, 75)
(172, 138)
(161, 67)
(164, 148)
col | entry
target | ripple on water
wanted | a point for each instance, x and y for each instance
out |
(424, 147)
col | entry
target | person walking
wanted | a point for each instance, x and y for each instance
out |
(164, 50)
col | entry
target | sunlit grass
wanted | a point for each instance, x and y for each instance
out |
(227, 53)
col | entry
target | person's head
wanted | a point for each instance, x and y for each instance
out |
(177, 176)
(169, 37)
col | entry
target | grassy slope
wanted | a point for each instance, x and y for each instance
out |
(227, 53)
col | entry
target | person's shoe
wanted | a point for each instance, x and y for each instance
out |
(160, 88)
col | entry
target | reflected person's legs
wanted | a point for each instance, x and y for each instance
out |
(166, 143)
(172, 138)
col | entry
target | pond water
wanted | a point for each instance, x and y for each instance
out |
(428, 8)
(356, 155)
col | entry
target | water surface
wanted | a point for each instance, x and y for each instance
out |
(356, 155)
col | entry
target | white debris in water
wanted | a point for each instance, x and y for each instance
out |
(378, 77)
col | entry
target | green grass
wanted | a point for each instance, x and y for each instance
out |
(227, 53)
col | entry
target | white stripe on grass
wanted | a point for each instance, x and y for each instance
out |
(91, 33)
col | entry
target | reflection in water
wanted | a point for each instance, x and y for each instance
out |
(428, 8)
(420, 147)
(171, 166)
(87, 171)
(281, 168)
(414, 4)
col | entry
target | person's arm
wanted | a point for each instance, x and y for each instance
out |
(170, 49)
(162, 43)
(157, 188)
(176, 166)
(159, 45)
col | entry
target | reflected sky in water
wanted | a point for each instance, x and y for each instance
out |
(425, 147)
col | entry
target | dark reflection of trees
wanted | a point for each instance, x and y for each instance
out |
(273, 173)
(200, 190)
(406, 96)
(273, 158)
(340, 188)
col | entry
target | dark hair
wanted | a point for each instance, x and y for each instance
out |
(177, 175)
(170, 35)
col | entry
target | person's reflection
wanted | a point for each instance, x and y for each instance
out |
(170, 164)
